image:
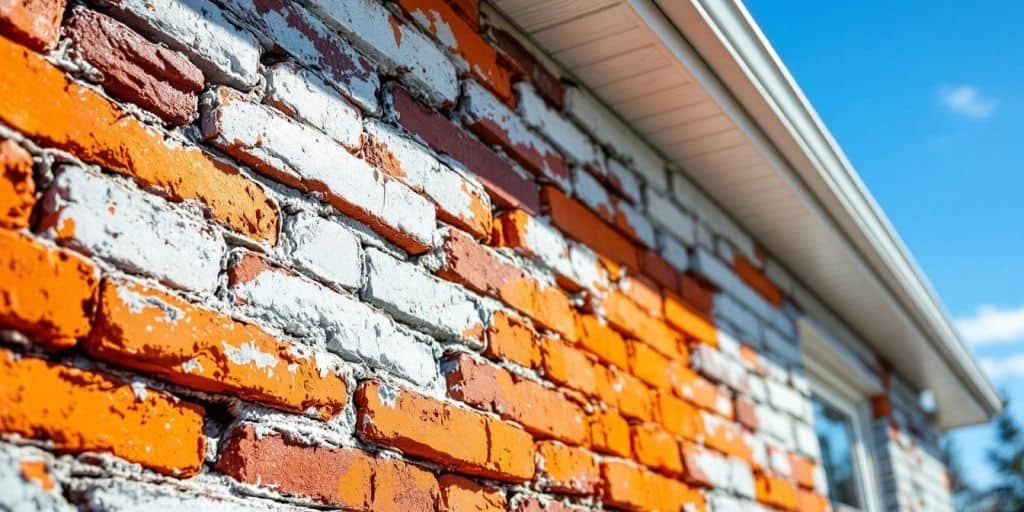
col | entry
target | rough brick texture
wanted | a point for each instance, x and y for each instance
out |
(277, 255)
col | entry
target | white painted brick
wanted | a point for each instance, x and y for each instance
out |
(324, 249)
(634, 221)
(226, 54)
(302, 156)
(569, 139)
(429, 304)
(776, 425)
(778, 461)
(806, 440)
(393, 45)
(719, 501)
(133, 230)
(756, 388)
(820, 480)
(305, 96)
(671, 218)
(741, 477)
(785, 398)
(351, 328)
(674, 252)
(728, 344)
(115, 495)
(718, 367)
(20, 494)
(592, 193)
(587, 269)
(459, 198)
(698, 202)
(725, 473)
(625, 180)
(728, 310)
(285, 25)
(786, 352)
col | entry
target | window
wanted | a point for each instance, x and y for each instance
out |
(836, 438)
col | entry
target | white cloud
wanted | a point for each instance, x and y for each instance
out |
(966, 101)
(990, 324)
(1002, 368)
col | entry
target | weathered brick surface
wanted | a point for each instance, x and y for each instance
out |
(575, 220)
(567, 469)
(303, 95)
(323, 249)
(33, 23)
(631, 487)
(81, 410)
(509, 337)
(462, 494)
(525, 65)
(17, 189)
(38, 100)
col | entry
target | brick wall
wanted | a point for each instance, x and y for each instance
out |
(274, 255)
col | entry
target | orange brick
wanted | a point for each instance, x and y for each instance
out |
(679, 417)
(630, 319)
(693, 469)
(609, 433)
(340, 477)
(460, 494)
(482, 270)
(47, 292)
(508, 337)
(702, 392)
(453, 31)
(757, 280)
(149, 330)
(567, 469)
(690, 321)
(745, 413)
(569, 367)
(644, 292)
(627, 393)
(576, 220)
(17, 189)
(631, 487)
(776, 492)
(656, 448)
(650, 366)
(80, 410)
(543, 412)
(39, 101)
(727, 437)
(603, 341)
(464, 440)
(33, 23)
(802, 470)
(807, 501)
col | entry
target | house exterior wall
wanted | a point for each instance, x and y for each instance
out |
(258, 255)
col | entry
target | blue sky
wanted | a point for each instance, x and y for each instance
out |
(927, 100)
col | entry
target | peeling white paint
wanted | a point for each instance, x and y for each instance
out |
(302, 94)
(247, 353)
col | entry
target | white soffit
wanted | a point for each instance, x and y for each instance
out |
(697, 80)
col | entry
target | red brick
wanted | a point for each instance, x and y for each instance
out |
(776, 492)
(460, 494)
(609, 433)
(544, 412)
(47, 292)
(86, 411)
(524, 65)
(452, 30)
(656, 448)
(757, 280)
(463, 440)
(151, 76)
(507, 188)
(341, 477)
(486, 272)
(569, 367)
(510, 338)
(39, 101)
(152, 331)
(576, 220)
(745, 413)
(567, 469)
(469, 10)
(17, 188)
(631, 487)
(689, 320)
(603, 341)
(632, 320)
(696, 294)
(33, 23)
(660, 270)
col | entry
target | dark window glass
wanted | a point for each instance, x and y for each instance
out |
(835, 435)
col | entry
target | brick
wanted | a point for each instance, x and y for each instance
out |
(544, 504)
(506, 186)
(39, 101)
(413, 296)
(727, 437)
(524, 65)
(576, 221)
(569, 139)
(566, 469)
(27, 481)
(651, 367)
(702, 392)
(460, 201)
(629, 394)
(495, 123)
(706, 468)
(631, 487)
(462, 494)
(689, 320)
(802, 470)
(80, 410)
(719, 367)
(33, 23)
(622, 180)
(151, 331)
(630, 319)
(48, 293)
(480, 269)
(137, 232)
(304, 96)
(469, 10)
(420, 426)
(756, 279)
(679, 417)
(626, 219)
(17, 188)
(544, 412)
(644, 292)
(304, 158)
(541, 242)
(285, 25)
(471, 50)
(199, 29)
(569, 367)
(323, 249)
(609, 433)
(674, 252)
(133, 69)
(116, 495)
(510, 338)
(394, 46)
(696, 294)
(351, 328)
(658, 269)
(807, 501)
(671, 218)
(656, 448)
(340, 477)
(776, 492)
(602, 341)
(746, 414)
